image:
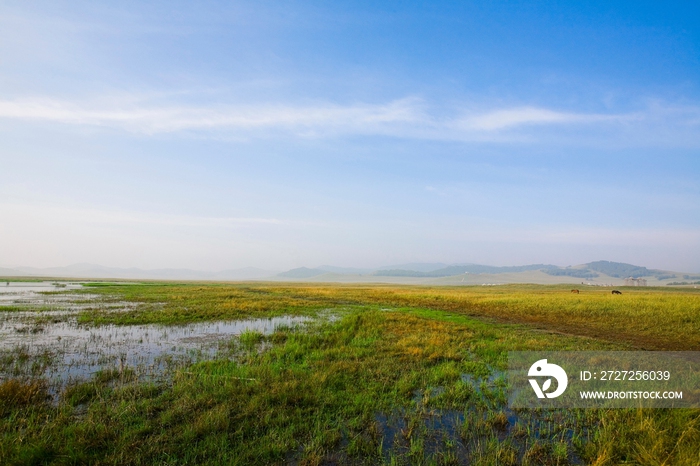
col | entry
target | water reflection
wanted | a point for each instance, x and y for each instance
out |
(51, 343)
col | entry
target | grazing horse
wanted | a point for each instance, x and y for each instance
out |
(616, 292)
(575, 291)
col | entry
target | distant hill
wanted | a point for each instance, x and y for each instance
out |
(302, 272)
(459, 269)
(590, 270)
(571, 272)
(7, 272)
(244, 273)
(350, 270)
(622, 270)
(416, 266)
(598, 272)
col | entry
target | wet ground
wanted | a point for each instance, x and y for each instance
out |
(40, 336)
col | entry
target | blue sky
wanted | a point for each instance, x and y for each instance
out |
(282, 134)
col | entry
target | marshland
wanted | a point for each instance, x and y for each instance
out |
(256, 373)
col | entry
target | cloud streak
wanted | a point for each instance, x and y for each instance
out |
(521, 116)
(151, 119)
(403, 118)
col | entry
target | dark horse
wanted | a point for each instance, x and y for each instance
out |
(616, 292)
(575, 291)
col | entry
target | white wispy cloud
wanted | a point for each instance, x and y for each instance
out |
(520, 116)
(405, 118)
(157, 119)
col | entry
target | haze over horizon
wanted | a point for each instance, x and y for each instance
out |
(223, 135)
(95, 269)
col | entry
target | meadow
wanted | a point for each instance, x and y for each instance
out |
(378, 374)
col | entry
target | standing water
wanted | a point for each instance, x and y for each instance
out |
(40, 336)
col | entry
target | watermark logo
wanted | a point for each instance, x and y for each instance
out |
(543, 369)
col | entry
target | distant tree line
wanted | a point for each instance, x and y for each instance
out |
(620, 269)
(591, 270)
(579, 273)
(459, 270)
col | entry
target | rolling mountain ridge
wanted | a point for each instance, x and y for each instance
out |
(596, 272)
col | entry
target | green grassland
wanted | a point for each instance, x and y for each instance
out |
(402, 375)
(647, 318)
